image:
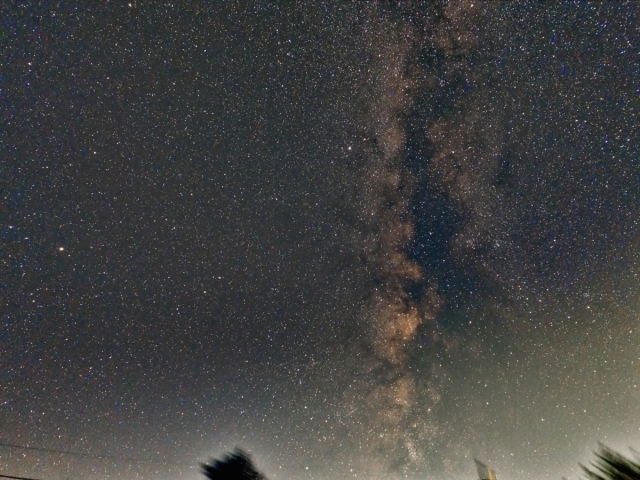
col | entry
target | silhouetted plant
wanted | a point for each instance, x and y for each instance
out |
(233, 466)
(610, 465)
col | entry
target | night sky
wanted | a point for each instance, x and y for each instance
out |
(364, 239)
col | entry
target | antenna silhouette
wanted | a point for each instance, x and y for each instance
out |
(484, 472)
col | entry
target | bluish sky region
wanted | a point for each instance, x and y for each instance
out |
(370, 239)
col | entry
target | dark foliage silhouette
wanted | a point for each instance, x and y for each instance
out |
(610, 465)
(233, 466)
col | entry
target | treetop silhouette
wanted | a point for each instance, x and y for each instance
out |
(236, 465)
(610, 465)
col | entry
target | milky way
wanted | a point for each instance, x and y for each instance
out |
(506, 197)
(374, 239)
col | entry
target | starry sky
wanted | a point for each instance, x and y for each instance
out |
(359, 239)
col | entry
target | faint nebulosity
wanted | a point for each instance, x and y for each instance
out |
(357, 239)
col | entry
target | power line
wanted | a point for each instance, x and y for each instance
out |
(17, 478)
(87, 455)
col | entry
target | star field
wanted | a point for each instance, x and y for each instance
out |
(358, 239)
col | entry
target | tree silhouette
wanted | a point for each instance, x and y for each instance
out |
(233, 466)
(610, 465)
